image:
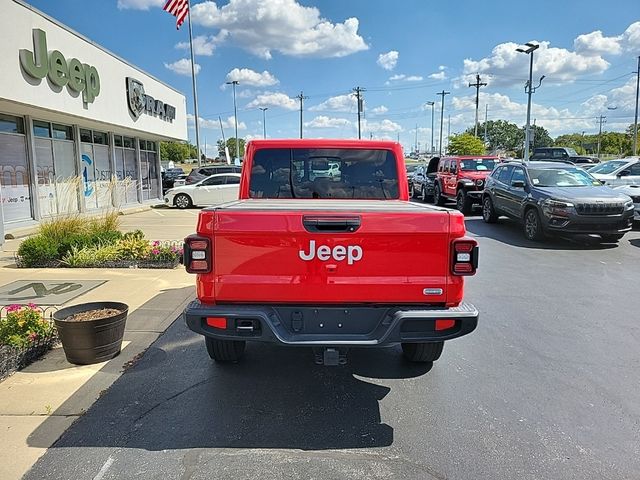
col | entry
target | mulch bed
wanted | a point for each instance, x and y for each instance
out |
(93, 315)
(167, 264)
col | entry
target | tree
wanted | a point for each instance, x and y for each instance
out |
(501, 135)
(231, 144)
(465, 144)
(176, 151)
(541, 137)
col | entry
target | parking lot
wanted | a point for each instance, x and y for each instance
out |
(546, 387)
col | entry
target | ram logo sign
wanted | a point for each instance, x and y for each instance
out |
(140, 102)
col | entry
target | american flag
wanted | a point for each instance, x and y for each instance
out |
(179, 9)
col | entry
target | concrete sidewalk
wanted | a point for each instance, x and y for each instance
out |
(56, 392)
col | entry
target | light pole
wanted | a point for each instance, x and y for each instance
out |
(264, 121)
(235, 117)
(442, 94)
(529, 90)
(432, 105)
(635, 119)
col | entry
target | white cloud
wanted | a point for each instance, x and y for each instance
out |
(327, 122)
(439, 75)
(202, 45)
(215, 124)
(595, 43)
(379, 110)
(506, 66)
(282, 26)
(274, 99)
(404, 78)
(246, 76)
(182, 67)
(385, 126)
(139, 4)
(341, 103)
(388, 60)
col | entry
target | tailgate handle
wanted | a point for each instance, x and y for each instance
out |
(331, 224)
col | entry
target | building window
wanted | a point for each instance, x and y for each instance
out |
(85, 136)
(128, 142)
(41, 129)
(117, 140)
(101, 138)
(62, 132)
(11, 124)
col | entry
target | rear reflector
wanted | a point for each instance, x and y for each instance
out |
(221, 322)
(445, 324)
(463, 268)
(199, 265)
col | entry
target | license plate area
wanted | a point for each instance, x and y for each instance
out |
(332, 320)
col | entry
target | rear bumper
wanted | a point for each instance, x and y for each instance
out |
(305, 325)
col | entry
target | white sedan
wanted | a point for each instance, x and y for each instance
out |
(213, 190)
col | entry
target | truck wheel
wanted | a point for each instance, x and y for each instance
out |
(224, 350)
(183, 201)
(422, 352)
(533, 225)
(612, 237)
(463, 202)
(437, 196)
(489, 214)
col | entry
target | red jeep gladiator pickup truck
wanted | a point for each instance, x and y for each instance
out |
(323, 249)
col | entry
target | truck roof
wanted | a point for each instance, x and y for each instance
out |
(322, 143)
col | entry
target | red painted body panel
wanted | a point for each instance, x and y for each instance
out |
(449, 181)
(258, 246)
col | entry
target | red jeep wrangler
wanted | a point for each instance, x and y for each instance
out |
(462, 179)
(330, 262)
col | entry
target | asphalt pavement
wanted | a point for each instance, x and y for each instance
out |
(547, 387)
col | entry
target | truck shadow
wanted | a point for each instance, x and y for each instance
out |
(175, 397)
(509, 232)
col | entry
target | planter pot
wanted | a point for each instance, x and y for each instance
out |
(91, 341)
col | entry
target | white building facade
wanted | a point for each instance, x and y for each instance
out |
(79, 126)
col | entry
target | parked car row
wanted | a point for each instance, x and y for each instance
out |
(546, 196)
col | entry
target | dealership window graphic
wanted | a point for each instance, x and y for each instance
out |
(14, 172)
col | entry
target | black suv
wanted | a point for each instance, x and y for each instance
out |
(201, 173)
(423, 179)
(553, 197)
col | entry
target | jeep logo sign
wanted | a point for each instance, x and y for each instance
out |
(77, 76)
(139, 102)
(352, 253)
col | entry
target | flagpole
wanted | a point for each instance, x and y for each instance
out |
(195, 90)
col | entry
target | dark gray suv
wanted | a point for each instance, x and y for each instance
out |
(553, 197)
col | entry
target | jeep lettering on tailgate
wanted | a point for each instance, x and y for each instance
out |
(352, 253)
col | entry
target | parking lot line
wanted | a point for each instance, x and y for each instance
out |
(157, 212)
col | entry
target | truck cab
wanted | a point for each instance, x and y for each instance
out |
(329, 262)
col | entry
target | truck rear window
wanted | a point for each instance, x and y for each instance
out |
(324, 173)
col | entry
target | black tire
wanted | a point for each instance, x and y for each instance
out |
(612, 237)
(183, 201)
(423, 194)
(489, 214)
(224, 350)
(412, 191)
(463, 202)
(533, 226)
(437, 195)
(422, 352)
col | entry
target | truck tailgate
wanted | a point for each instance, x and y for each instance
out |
(328, 251)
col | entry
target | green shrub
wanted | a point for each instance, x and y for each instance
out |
(136, 235)
(62, 228)
(133, 248)
(37, 250)
(91, 256)
(107, 223)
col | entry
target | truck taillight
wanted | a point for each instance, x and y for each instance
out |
(464, 256)
(198, 255)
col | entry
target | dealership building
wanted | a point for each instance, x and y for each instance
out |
(79, 126)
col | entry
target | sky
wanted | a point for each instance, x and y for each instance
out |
(401, 53)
